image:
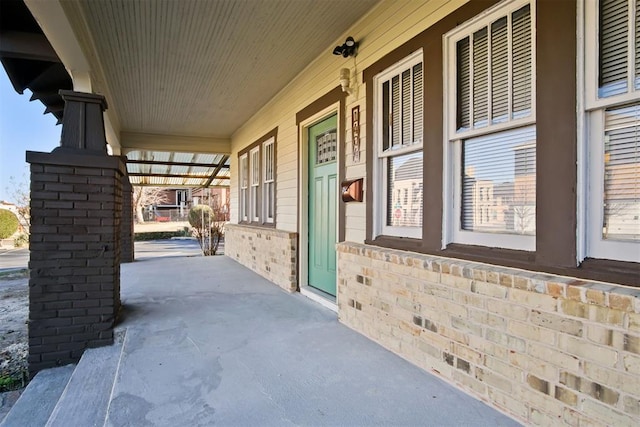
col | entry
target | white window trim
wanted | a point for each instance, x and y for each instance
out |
(591, 151)
(265, 200)
(452, 231)
(597, 247)
(380, 164)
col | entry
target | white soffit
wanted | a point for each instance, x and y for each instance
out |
(203, 68)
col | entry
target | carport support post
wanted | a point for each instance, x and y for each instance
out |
(126, 226)
(76, 213)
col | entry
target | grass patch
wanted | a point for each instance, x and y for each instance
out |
(15, 274)
(158, 235)
(13, 382)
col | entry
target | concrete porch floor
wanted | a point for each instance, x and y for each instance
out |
(208, 342)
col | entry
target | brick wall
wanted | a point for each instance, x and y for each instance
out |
(270, 253)
(542, 348)
(74, 285)
(126, 227)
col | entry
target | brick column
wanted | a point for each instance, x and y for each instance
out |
(76, 213)
(127, 249)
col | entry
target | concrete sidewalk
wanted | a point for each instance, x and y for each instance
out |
(209, 342)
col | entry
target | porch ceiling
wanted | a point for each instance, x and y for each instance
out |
(202, 68)
(171, 169)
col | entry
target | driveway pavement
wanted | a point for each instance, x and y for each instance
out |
(13, 259)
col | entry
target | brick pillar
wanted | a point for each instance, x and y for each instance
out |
(127, 250)
(76, 213)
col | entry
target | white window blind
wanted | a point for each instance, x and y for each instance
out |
(614, 46)
(402, 109)
(269, 181)
(494, 72)
(621, 216)
(499, 182)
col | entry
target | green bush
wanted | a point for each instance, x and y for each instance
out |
(8, 223)
(207, 229)
(157, 235)
(197, 213)
(21, 240)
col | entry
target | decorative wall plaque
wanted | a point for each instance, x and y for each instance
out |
(355, 131)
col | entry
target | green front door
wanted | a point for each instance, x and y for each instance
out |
(323, 188)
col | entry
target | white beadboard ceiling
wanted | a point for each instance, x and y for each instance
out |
(204, 67)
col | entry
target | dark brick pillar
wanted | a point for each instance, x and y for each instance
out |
(76, 213)
(127, 249)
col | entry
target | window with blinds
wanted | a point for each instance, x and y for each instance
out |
(612, 81)
(255, 183)
(618, 47)
(499, 182)
(621, 204)
(494, 72)
(491, 129)
(244, 185)
(269, 180)
(399, 94)
(402, 109)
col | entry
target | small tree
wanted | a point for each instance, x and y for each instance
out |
(19, 195)
(205, 228)
(145, 196)
(8, 224)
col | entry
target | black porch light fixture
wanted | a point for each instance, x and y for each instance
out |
(347, 49)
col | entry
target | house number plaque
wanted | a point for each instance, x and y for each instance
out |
(355, 131)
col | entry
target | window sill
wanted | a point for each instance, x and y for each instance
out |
(258, 224)
(619, 272)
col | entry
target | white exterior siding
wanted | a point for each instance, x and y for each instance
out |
(386, 27)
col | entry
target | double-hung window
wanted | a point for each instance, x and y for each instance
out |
(490, 196)
(268, 192)
(399, 113)
(254, 161)
(257, 200)
(244, 186)
(612, 100)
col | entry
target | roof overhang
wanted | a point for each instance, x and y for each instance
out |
(179, 77)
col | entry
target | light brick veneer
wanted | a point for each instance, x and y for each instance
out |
(269, 252)
(545, 349)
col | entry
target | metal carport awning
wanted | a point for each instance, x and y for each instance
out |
(174, 169)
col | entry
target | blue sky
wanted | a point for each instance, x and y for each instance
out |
(23, 127)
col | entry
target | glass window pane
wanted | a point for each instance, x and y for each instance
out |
(499, 71)
(396, 138)
(499, 182)
(480, 78)
(613, 47)
(521, 35)
(621, 219)
(463, 84)
(404, 190)
(418, 112)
